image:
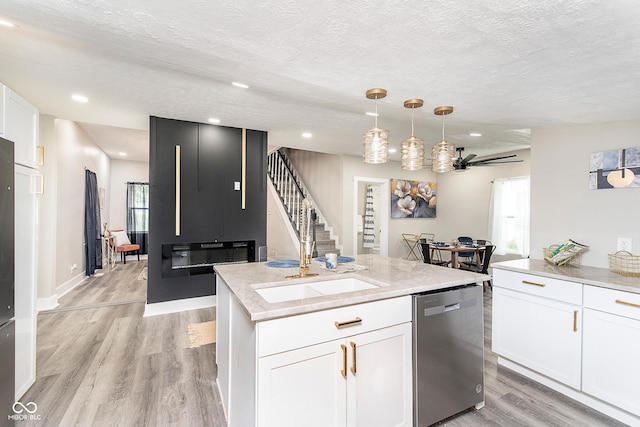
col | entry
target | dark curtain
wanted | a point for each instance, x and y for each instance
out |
(138, 214)
(92, 238)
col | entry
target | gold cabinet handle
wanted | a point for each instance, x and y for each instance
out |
(177, 190)
(40, 161)
(353, 322)
(526, 282)
(575, 320)
(630, 304)
(343, 371)
(353, 365)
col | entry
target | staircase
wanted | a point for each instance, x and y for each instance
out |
(292, 192)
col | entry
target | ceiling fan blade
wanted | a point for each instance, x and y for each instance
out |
(491, 159)
(468, 158)
(496, 162)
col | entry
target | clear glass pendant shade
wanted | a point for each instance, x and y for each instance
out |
(376, 140)
(376, 146)
(443, 154)
(412, 154)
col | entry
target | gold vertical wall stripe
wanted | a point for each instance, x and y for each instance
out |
(177, 190)
(244, 168)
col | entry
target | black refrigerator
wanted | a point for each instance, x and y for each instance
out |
(7, 326)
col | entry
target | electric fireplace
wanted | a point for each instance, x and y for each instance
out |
(186, 259)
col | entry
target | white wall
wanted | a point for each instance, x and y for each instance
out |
(462, 197)
(353, 166)
(75, 151)
(563, 207)
(47, 206)
(123, 171)
(280, 242)
(322, 175)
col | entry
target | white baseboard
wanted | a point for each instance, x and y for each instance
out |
(52, 301)
(48, 303)
(179, 305)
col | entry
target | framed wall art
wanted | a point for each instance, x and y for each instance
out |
(413, 199)
(614, 168)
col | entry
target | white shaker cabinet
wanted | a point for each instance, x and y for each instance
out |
(537, 322)
(19, 123)
(346, 366)
(612, 347)
(362, 380)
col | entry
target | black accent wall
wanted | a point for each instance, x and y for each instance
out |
(211, 210)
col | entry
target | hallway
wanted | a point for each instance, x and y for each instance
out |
(99, 362)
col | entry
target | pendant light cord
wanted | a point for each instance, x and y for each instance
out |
(376, 120)
(412, 132)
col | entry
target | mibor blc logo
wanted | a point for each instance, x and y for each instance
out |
(25, 411)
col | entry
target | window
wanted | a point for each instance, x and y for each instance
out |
(137, 207)
(138, 214)
(509, 216)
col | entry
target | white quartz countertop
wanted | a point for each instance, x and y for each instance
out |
(394, 278)
(595, 276)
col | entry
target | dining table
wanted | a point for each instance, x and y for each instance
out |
(455, 251)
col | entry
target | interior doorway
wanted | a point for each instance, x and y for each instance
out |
(371, 219)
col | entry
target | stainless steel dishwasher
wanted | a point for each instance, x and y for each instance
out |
(448, 353)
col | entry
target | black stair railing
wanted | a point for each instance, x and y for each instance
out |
(288, 187)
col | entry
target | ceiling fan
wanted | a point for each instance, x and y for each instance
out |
(461, 164)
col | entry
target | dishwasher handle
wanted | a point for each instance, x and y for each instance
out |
(452, 307)
(440, 309)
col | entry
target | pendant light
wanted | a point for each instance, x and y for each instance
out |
(443, 154)
(376, 140)
(412, 149)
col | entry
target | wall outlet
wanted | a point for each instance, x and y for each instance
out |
(236, 186)
(624, 244)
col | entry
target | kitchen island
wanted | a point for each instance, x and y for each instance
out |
(294, 360)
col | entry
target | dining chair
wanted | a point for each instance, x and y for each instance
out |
(484, 268)
(472, 262)
(466, 256)
(437, 255)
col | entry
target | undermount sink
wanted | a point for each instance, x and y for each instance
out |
(314, 289)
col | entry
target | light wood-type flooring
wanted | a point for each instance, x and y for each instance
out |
(100, 363)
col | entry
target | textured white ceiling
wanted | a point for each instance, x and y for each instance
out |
(506, 66)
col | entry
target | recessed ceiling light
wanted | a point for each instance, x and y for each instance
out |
(307, 135)
(7, 24)
(79, 98)
(214, 120)
(392, 150)
(242, 85)
(372, 114)
(122, 153)
(475, 134)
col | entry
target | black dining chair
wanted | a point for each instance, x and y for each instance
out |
(426, 255)
(472, 262)
(465, 256)
(484, 268)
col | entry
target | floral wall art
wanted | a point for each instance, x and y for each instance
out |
(413, 199)
(614, 168)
